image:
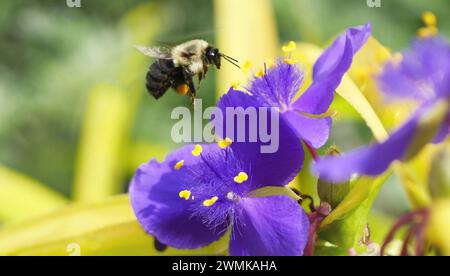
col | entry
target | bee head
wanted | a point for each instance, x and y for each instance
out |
(213, 56)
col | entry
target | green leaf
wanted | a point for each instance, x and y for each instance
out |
(104, 228)
(345, 225)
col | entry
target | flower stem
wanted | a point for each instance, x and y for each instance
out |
(312, 151)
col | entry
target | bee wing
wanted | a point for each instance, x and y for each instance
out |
(155, 52)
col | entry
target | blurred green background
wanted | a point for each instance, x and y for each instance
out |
(52, 57)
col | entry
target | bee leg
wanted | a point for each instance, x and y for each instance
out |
(202, 76)
(192, 91)
(188, 80)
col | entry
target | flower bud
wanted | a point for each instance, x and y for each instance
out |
(333, 193)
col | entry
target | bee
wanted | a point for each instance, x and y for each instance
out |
(175, 67)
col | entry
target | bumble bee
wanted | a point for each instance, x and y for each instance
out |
(175, 67)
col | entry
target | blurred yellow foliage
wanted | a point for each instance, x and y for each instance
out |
(104, 148)
(103, 141)
(108, 227)
(23, 198)
(439, 225)
(246, 30)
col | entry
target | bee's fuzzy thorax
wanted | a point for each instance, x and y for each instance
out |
(190, 54)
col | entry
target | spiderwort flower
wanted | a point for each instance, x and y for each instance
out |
(201, 191)
(423, 74)
(277, 86)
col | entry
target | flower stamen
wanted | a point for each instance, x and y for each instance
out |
(289, 47)
(259, 73)
(210, 202)
(186, 194)
(223, 144)
(241, 178)
(178, 165)
(246, 66)
(290, 61)
(430, 29)
(197, 150)
(236, 84)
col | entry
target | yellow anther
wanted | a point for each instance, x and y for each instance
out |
(236, 84)
(396, 59)
(290, 61)
(197, 150)
(429, 19)
(246, 66)
(430, 29)
(270, 63)
(290, 47)
(260, 73)
(185, 194)
(427, 32)
(223, 144)
(210, 202)
(178, 165)
(241, 178)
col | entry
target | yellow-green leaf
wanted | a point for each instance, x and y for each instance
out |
(246, 30)
(23, 198)
(104, 136)
(363, 189)
(439, 225)
(104, 228)
(345, 225)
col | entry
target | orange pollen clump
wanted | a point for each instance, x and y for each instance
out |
(183, 89)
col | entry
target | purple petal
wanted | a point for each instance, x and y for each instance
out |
(372, 160)
(269, 226)
(329, 70)
(422, 74)
(268, 169)
(278, 86)
(334, 56)
(423, 126)
(314, 131)
(154, 195)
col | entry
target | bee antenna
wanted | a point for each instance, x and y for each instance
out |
(231, 60)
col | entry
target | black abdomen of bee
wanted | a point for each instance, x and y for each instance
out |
(161, 76)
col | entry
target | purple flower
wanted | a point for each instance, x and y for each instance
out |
(307, 115)
(423, 74)
(201, 191)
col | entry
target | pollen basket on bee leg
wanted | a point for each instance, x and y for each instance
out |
(182, 89)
